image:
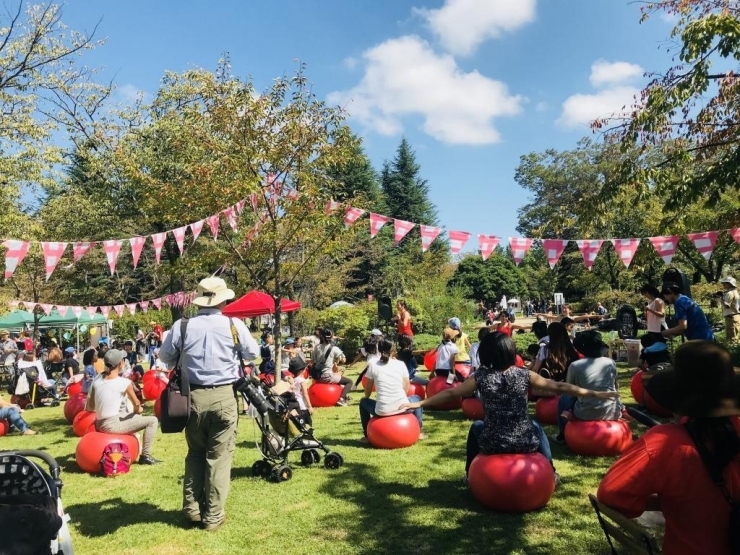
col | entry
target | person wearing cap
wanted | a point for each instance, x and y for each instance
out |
(326, 357)
(287, 353)
(731, 310)
(691, 320)
(8, 349)
(210, 356)
(446, 351)
(462, 342)
(109, 393)
(665, 470)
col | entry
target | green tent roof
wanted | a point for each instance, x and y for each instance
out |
(16, 320)
(56, 319)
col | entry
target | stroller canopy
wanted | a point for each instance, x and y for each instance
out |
(257, 303)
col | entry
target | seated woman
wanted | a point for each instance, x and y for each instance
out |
(406, 355)
(324, 357)
(690, 471)
(555, 354)
(503, 389)
(391, 380)
(109, 398)
(594, 372)
(89, 359)
(446, 353)
(12, 413)
(369, 351)
(655, 354)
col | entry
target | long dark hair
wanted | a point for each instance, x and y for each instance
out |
(650, 290)
(386, 348)
(561, 351)
(88, 357)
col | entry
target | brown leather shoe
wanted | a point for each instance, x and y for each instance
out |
(214, 526)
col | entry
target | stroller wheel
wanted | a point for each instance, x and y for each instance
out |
(281, 473)
(309, 457)
(30, 406)
(261, 469)
(332, 461)
(55, 403)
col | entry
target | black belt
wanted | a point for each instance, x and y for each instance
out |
(200, 386)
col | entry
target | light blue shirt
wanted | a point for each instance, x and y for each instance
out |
(209, 355)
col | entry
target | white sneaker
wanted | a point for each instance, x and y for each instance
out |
(341, 403)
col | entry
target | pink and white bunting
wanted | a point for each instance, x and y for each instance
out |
(196, 228)
(589, 249)
(377, 221)
(132, 308)
(735, 234)
(137, 244)
(46, 308)
(30, 307)
(230, 215)
(332, 206)
(401, 228)
(626, 249)
(157, 303)
(457, 240)
(428, 235)
(91, 310)
(179, 235)
(352, 215)
(144, 305)
(239, 206)
(62, 310)
(13, 304)
(665, 246)
(16, 251)
(112, 248)
(519, 248)
(487, 243)
(554, 250)
(253, 200)
(105, 310)
(158, 240)
(119, 308)
(213, 224)
(704, 242)
(77, 311)
(53, 252)
(80, 249)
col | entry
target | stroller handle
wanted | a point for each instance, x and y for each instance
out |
(48, 459)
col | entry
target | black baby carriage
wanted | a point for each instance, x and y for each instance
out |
(27, 392)
(282, 431)
(31, 515)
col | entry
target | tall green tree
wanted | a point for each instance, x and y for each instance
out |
(487, 280)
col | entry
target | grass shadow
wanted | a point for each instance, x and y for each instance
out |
(100, 519)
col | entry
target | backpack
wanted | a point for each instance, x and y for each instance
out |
(316, 371)
(115, 460)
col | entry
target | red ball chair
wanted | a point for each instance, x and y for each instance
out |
(83, 423)
(21, 401)
(598, 438)
(516, 483)
(472, 408)
(74, 388)
(153, 388)
(148, 376)
(364, 381)
(4, 427)
(418, 390)
(74, 405)
(546, 410)
(650, 404)
(519, 362)
(393, 432)
(637, 389)
(438, 384)
(463, 369)
(430, 359)
(324, 394)
(90, 449)
(158, 408)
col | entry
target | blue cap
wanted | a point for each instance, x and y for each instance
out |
(69, 350)
(454, 323)
(290, 341)
(657, 347)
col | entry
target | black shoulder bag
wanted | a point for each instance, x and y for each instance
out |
(175, 399)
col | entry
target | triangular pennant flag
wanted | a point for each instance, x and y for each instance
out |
(519, 248)
(401, 229)
(158, 240)
(80, 248)
(196, 228)
(15, 252)
(626, 249)
(168, 299)
(105, 310)
(292, 194)
(53, 251)
(457, 240)
(91, 310)
(735, 234)
(157, 303)
(352, 215)
(377, 221)
(30, 307)
(13, 304)
(62, 310)
(212, 222)
(119, 308)
(144, 305)
(553, 250)
(179, 234)
(487, 244)
(132, 308)
(137, 243)
(589, 249)
(428, 235)
(704, 242)
(77, 311)
(665, 246)
(253, 200)
(112, 248)
(230, 214)
(331, 206)
(46, 308)
(240, 206)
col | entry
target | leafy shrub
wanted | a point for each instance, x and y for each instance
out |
(426, 341)
(351, 323)
(125, 327)
(612, 301)
(429, 313)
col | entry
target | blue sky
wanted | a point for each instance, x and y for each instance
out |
(472, 84)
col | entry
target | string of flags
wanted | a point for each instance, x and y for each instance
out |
(179, 299)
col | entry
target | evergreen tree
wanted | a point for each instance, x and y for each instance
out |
(406, 193)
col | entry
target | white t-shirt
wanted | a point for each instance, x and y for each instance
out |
(298, 391)
(108, 396)
(42, 379)
(655, 323)
(445, 353)
(388, 379)
(474, 361)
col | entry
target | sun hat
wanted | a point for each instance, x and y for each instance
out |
(730, 280)
(376, 332)
(449, 334)
(589, 343)
(702, 377)
(4, 332)
(454, 323)
(69, 350)
(113, 357)
(296, 364)
(212, 291)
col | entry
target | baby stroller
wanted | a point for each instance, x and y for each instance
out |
(27, 392)
(31, 514)
(282, 431)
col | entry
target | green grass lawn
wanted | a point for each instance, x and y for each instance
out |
(400, 501)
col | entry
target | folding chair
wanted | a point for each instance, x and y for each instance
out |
(620, 529)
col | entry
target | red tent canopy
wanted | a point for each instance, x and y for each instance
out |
(257, 303)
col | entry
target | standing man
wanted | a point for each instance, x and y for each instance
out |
(210, 358)
(691, 320)
(8, 349)
(731, 310)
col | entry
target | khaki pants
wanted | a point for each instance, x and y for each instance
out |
(211, 437)
(732, 329)
(130, 424)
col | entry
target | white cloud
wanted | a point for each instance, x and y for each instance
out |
(610, 73)
(350, 62)
(129, 94)
(462, 25)
(405, 77)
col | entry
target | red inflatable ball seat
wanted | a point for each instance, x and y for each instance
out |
(393, 432)
(438, 384)
(636, 387)
(430, 359)
(153, 388)
(364, 381)
(472, 408)
(512, 483)
(74, 388)
(598, 438)
(148, 376)
(463, 369)
(418, 390)
(324, 394)
(158, 408)
(74, 405)
(650, 404)
(83, 423)
(546, 410)
(4, 427)
(91, 446)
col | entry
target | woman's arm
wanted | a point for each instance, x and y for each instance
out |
(306, 397)
(658, 310)
(368, 386)
(467, 342)
(90, 403)
(138, 409)
(465, 389)
(542, 384)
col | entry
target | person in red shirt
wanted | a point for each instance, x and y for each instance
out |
(664, 470)
(157, 328)
(27, 342)
(403, 319)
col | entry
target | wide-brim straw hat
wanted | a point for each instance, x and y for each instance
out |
(212, 291)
